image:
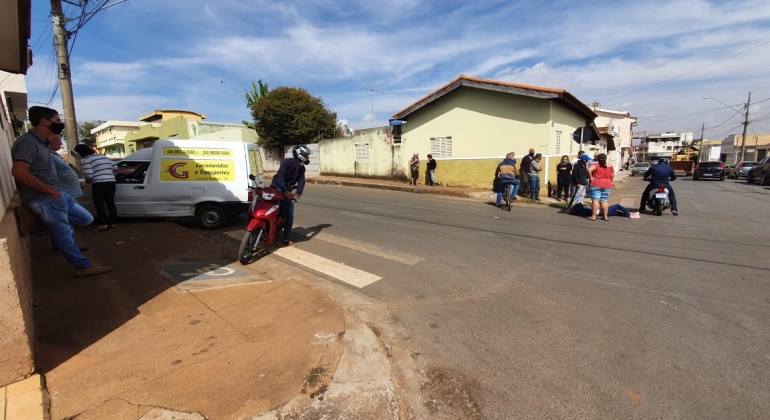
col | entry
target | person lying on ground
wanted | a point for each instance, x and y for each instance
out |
(613, 210)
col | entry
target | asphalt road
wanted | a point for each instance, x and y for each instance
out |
(536, 314)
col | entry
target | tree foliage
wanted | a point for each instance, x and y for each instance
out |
(257, 91)
(289, 115)
(84, 132)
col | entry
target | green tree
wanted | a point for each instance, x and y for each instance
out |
(84, 132)
(289, 115)
(253, 97)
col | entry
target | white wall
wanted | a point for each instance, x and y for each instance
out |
(386, 159)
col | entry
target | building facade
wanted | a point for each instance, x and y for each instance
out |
(757, 147)
(177, 124)
(619, 125)
(111, 135)
(663, 145)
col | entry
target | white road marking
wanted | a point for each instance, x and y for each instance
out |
(389, 254)
(349, 275)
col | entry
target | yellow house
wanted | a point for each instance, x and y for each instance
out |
(161, 124)
(469, 124)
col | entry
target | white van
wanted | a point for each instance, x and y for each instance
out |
(182, 178)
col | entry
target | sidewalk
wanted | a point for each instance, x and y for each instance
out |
(391, 185)
(181, 330)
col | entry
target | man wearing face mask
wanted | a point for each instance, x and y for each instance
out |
(38, 186)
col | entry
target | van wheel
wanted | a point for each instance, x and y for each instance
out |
(211, 216)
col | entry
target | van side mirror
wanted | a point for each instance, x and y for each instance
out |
(252, 177)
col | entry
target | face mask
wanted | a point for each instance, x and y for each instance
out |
(57, 127)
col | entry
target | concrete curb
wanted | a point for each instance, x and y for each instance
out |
(416, 190)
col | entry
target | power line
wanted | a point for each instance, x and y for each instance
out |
(688, 73)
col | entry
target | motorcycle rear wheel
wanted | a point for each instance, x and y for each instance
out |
(250, 245)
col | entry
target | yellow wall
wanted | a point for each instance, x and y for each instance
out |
(481, 123)
(567, 122)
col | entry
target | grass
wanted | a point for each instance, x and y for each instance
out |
(314, 375)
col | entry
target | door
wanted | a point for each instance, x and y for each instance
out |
(130, 194)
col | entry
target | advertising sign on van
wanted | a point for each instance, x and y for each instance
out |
(178, 151)
(197, 170)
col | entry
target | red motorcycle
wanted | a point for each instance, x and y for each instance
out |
(265, 221)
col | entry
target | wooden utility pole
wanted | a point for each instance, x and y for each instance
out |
(61, 37)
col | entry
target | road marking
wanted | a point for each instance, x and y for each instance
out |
(393, 255)
(339, 271)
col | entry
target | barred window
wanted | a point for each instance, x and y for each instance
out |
(558, 142)
(362, 151)
(441, 147)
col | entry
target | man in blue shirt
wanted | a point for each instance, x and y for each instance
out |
(659, 176)
(291, 173)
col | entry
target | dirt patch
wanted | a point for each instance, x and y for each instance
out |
(452, 394)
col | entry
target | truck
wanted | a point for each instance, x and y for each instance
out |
(684, 162)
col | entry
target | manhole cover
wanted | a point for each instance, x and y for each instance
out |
(190, 276)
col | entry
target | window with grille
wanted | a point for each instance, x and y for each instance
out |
(362, 151)
(441, 147)
(558, 142)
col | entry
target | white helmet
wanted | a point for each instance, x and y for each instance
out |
(301, 153)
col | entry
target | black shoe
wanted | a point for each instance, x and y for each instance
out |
(675, 213)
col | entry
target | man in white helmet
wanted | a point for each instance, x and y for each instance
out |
(291, 173)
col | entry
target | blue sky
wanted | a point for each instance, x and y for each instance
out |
(198, 55)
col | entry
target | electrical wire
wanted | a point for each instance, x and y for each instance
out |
(687, 73)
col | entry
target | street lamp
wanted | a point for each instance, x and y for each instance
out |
(745, 126)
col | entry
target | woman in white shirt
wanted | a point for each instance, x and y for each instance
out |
(99, 171)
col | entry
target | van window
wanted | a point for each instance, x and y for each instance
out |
(131, 172)
(255, 162)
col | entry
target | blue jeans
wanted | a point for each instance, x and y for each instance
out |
(513, 184)
(287, 209)
(534, 186)
(57, 217)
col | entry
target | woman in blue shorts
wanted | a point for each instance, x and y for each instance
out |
(601, 176)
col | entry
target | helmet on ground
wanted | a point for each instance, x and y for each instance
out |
(301, 153)
(663, 160)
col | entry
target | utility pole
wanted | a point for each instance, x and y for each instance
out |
(745, 131)
(702, 129)
(61, 37)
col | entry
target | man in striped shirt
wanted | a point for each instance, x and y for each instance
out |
(99, 172)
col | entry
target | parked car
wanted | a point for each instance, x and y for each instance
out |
(710, 170)
(640, 168)
(741, 169)
(760, 172)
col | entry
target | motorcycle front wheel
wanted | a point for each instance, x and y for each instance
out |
(249, 245)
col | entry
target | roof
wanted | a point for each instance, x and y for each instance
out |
(15, 30)
(113, 123)
(559, 96)
(753, 140)
(609, 111)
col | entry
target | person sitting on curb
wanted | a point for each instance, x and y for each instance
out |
(39, 190)
(614, 210)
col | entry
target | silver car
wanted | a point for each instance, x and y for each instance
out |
(741, 170)
(640, 168)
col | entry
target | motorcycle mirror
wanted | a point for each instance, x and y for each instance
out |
(252, 177)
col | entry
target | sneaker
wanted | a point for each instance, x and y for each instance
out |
(675, 213)
(93, 270)
(25, 220)
(635, 215)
